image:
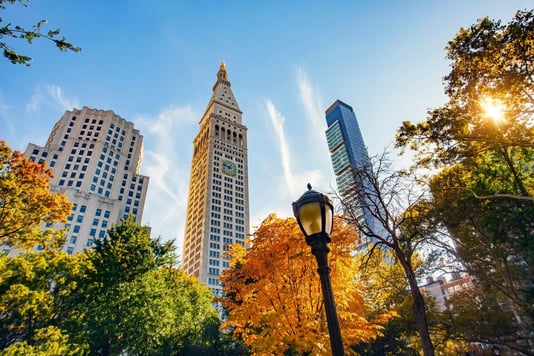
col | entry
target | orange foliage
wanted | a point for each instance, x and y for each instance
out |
(273, 294)
(26, 202)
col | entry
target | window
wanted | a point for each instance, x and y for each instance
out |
(70, 250)
(79, 218)
(73, 240)
(106, 214)
(93, 232)
(98, 212)
(104, 223)
(95, 222)
(102, 234)
(76, 229)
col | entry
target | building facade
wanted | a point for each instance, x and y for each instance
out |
(218, 201)
(96, 158)
(441, 290)
(349, 153)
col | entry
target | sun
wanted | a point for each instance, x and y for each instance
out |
(493, 109)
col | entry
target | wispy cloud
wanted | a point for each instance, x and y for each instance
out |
(277, 120)
(64, 103)
(168, 141)
(314, 108)
(51, 96)
(312, 103)
(292, 180)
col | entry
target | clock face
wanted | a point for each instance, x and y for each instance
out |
(229, 168)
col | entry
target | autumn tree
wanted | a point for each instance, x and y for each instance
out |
(481, 142)
(37, 276)
(273, 296)
(10, 32)
(26, 202)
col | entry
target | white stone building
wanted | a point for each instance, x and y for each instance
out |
(96, 157)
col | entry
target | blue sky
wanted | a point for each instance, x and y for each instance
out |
(155, 62)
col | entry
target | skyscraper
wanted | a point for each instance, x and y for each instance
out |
(96, 157)
(217, 208)
(348, 152)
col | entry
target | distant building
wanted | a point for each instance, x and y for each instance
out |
(349, 153)
(96, 157)
(442, 290)
(218, 205)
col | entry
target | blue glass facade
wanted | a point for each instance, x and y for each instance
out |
(348, 151)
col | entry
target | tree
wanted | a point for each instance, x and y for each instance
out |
(493, 240)
(18, 32)
(402, 226)
(385, 289)
(275, 283)
(33, 284)
(133, 301)
(482, 144)
(26, 202)
(491, 92)
(477, 315)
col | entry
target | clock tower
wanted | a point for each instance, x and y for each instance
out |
(217, 207)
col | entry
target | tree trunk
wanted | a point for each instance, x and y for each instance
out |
(419, 311)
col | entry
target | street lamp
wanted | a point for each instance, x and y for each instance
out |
(314, 213)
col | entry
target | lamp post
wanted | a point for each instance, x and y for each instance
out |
(314, 213)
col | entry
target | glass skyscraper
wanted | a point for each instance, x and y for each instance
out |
(349, 153)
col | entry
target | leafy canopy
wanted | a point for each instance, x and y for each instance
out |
(273, 296)
(491, 63)
(133, 301)
(481, 142)
(26, 202)
(33, 284)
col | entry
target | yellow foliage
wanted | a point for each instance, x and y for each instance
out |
(273, 294)
(26, 202)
